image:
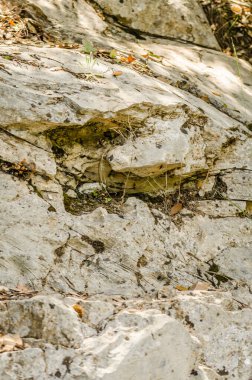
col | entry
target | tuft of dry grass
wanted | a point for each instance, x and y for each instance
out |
(231, 22)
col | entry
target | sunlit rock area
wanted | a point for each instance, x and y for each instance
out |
(126, 194)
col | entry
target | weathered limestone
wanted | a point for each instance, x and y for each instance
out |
(181, 19)
(68, 21)
(27, 253)
(138, 137)
(125, 181)
(45, 319)
(128, 352)
(215, 323)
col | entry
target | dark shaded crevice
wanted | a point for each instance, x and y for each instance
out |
(98, 245)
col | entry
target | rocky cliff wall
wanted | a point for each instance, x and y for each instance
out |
(125, 195)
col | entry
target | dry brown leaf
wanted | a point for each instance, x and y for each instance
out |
(205, 98)
(117, 73)
(128, 59)
(181, 288)
(79, 310)
(216, 93)
(176, 209)
(200, 286)
(237, 9)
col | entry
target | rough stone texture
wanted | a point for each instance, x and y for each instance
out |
(181, 19)
(154, 335)
(128, 351)
(231, 326)
(97, 281)
(50, 321)
(60, 16)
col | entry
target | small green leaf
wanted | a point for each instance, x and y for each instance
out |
(154, 55)
(113, 54)
(88, 47)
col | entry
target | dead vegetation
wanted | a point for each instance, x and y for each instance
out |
(231, 22)
(17, 25)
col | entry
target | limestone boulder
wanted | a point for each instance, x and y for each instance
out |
(125, 196)
(60, 21)
(122, 349)
(127, 350)
(181, 19)
(226, 343)
(43, 318)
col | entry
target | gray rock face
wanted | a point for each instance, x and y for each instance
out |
(125, 196)
(181, 19)
(154, 335)
(62, 19)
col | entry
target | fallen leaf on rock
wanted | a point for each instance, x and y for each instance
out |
(8, 57)
(117, 73)
(181, 288)
(176, 209)
(113, 54)
(237, 9)
(128, 59)
(11, 23)
(79, 310)
(10, 342)
(200, 286)
(216, 93)
(152, 57)
(205, 98)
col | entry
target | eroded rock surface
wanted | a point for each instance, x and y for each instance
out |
(183, 19)
(125, 248)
